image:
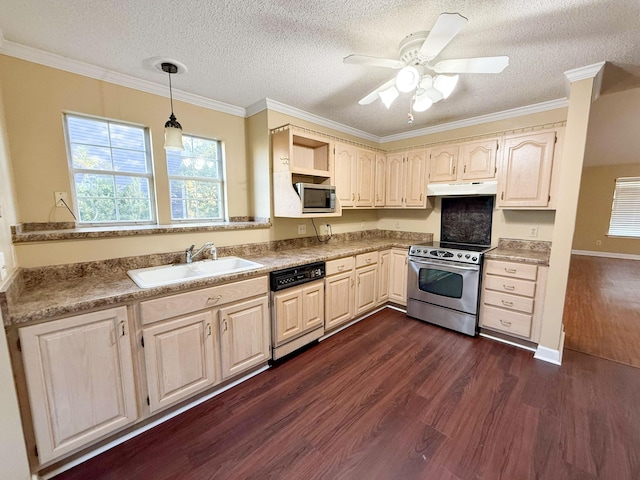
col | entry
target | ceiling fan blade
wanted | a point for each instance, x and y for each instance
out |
(445, 29)
(373, 96)
(375, 61)
(473, 65)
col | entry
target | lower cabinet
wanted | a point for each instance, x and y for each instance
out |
(180, 358)
(384, 269)
(80, 379)
(366, 282)
(512, 298)
(244, 335)
(339, 292)
(398, 276)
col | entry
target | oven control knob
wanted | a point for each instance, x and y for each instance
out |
(459, 255)
(413, 250)
(474, 258)
(467, 256)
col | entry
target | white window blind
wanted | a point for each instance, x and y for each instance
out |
(625, 211)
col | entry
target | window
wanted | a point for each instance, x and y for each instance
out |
(110, 165)
(196, 180)
(625, 211)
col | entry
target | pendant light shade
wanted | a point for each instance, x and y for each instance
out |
(389, 95)
(407, 79)
(172, 129)
(445, 84)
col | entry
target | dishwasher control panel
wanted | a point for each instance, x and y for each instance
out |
(291, 277)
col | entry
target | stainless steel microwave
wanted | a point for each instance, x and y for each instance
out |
(316, 198)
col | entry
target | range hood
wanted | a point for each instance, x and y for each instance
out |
(470, 188)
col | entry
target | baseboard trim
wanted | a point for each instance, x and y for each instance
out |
(550, 355)
(502, 340)
(591, 253)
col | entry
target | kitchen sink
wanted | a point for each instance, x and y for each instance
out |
(184, 272)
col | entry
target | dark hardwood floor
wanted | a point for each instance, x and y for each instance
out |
(395, 398)
(602, 308)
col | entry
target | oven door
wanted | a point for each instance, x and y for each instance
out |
(447, 284)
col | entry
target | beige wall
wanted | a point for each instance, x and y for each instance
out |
(35, 98)
(594, 210)
(7, 201)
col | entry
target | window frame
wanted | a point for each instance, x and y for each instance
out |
(150, 175)
(634, 234)
(222, 181)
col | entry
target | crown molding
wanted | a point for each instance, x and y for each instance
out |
(257, 107)
(53, 60)
(310, 117)
(492, 117)
(595, 71)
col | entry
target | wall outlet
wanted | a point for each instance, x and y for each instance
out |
(397, 225)
(533, 231)
(61, 198)
(302, 229)
(3, 267)
(324, 229)
(598, 242)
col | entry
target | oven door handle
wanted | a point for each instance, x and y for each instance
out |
(445, 264)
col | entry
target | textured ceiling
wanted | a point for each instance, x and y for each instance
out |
(240, 52)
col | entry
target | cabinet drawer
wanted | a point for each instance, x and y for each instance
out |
(510, 269)
(174, 305)
(509, 302)
(510, 285)
(366, 259)
(506, 321)
(340, 265)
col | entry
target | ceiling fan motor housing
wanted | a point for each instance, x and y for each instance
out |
(410, 48)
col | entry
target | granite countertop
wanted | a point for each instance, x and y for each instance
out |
(521, 251)
(54, 295)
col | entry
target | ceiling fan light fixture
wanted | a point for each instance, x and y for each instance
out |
(407, 79)
(389, 95)
(422, 102)
(446, 84)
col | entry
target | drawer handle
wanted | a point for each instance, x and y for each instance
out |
(507, 303)
(214, 299)
(368, 260)
(510, 270)
(209, 330)
(340, 268)
(505, 323)
(224, 322)
(509, 287)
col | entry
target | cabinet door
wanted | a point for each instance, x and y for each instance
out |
(80, 379)
(415, 173)
(380, 181)
(345, 172)
(524, 178)
(179, 358)
(313, 305)
(244, 335)
(365, 178)
(398, 276)
(366, 288)
(478, 160)
(444, 162)
(339, 290)
(287, 315)
(383, 276)
(395, 180)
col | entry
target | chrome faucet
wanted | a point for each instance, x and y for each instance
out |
(212, 250)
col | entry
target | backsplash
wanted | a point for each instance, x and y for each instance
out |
(517, 244)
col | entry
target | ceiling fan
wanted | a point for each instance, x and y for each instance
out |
(417, 53)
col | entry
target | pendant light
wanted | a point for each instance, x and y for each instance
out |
(172, 129)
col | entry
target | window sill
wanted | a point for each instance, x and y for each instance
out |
(20, 234)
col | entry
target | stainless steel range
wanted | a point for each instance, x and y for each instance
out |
(443, 284)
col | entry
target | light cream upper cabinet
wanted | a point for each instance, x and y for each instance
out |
(478, 160)
(415, 179)
(180, 358)
(299, 157)
(345, 174)
(394, 187)
(398, 276)
(524, 176)
(444, 164)
(244, 335)
(365, 178)
(80, 379)
(384, 269)
(380, 180)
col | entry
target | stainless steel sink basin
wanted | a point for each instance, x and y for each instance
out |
(183, 272)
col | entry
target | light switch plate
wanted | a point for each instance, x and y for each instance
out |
(302, 229)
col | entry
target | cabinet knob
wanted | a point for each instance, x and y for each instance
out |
(454, 169)
(209, 330)
(224, 323)
(353, 196)
(358, 197)
(502, 196)
(464, 169)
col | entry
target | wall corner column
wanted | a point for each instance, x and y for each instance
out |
(584, 88)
